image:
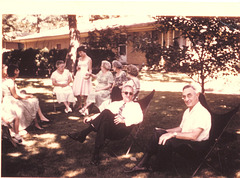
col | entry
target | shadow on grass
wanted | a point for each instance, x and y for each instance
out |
(50, 153)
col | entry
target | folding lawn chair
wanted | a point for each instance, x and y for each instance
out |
(219, 124)
(144, 104)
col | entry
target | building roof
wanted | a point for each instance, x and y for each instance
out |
(85, 26)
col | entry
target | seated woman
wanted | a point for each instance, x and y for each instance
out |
(132, 73)
(119, 78)
(102, 89)
(61, 78)
(26, 106)
(9, 117)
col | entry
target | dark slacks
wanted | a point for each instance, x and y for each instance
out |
(106, 129)
(185, 148)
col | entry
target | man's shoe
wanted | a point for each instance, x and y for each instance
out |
(77, 136)
(136, 169)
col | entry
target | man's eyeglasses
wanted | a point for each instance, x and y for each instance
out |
(126, 93)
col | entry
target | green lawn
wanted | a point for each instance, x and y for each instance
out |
(50, 153)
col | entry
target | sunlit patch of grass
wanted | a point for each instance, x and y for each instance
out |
(29, 143)
(73, 118)
(52, 145)
(50, 101)
(47, 82)
(46, 136)
(64, 137)
(16, 154)
(54, 112)
(32, 80)
(73, 173)
(60, 152)
(33, 150)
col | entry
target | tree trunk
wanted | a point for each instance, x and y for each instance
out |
(74, 36)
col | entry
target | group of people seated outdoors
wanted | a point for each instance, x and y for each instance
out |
(108, 84)
(115, 96)
(67, 88)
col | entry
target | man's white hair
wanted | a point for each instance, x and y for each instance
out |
(194, 87)
(125, 86)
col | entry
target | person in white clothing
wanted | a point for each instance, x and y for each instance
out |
(115, 122)
(61, 79)
(192, 133)
(82, 83)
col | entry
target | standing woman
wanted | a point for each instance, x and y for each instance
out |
(119, 78)
(61, 78)
(82, 84)
(25, 105)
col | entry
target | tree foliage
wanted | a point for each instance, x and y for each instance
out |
(214, 46)
(20, 25)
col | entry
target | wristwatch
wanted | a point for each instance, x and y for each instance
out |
(175, 134)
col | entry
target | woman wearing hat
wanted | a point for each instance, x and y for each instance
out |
(82, 85)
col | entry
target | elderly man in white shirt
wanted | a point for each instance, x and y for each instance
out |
(115, 122)
(193, 132)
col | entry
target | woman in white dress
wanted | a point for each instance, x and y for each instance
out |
(82, 84)
(25, 106)
(10, 119)
(61, 79)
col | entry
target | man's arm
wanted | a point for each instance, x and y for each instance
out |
(180, 135)
(176, 129)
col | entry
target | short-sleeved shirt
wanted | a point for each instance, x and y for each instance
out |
(198, 117)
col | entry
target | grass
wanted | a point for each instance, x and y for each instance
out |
(50, 153)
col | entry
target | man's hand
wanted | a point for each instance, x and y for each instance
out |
(87, 120)
(162, 140)
(118, 119)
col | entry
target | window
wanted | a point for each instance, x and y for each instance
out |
(58, 46)
(122, 49)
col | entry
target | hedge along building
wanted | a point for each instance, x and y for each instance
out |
(134, 25)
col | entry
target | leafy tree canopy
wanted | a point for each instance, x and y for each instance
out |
(20, 25)
(213, 46)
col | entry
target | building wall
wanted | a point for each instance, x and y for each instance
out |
(134, 57)
(49, 44)
(10, 45)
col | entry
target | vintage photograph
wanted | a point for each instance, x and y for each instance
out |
(120, 88)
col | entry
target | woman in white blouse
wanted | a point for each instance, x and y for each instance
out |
(61, 79)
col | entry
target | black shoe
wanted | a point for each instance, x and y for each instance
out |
(136, 169)
(77, 137)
